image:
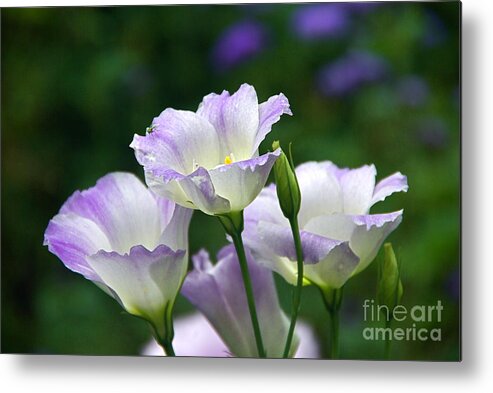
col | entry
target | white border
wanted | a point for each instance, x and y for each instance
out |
(88, 374)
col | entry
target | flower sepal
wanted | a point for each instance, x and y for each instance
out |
(232, 222)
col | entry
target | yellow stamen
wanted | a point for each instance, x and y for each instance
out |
(228, 160)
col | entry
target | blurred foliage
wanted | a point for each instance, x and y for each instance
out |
(77, 83)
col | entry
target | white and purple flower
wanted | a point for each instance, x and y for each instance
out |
(129, 242)
(217, 291)
(339, 236)
(194, 336)
(209, 159)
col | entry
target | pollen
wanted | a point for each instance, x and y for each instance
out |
(228, 160)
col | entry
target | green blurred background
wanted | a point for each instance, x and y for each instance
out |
(77, 83)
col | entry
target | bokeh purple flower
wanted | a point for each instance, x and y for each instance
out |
(316, 21)
(339, 236)
(433, 133)
(217, 291)
(239, 43)
(362, 7)
(452, 285)
(129, 242)
(350, 72)
(413, 91)
(435, 31)
(209, 159)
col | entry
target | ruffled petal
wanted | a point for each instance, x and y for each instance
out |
(241, 182)
(264, 256)
(200, 191)
(181, 141)
(218, 292)
(365, 233)
(235, 118)
(145, 282)
(165, 183)
(334, 226)
(280, 240)
(327, 262)
(269, 113)
(71, 238)
(370, 233)
(357, 188)
(385, 187)
(123, 208)
(335, 269)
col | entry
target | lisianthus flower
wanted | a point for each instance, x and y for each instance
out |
(128, 241)
(217, 291)
(195, 336)
(339, 237)
(209, 159)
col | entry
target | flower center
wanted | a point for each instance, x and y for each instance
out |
(229, 159)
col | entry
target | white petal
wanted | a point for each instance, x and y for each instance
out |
(123, 208)
(385, 187)
(71, 238)
(333, 226)
(370, 233)
(241, 182)
(144, 282)
(335, 270)
(357, 188)
(200, 191)
(181, 141)
(320, 191)
(168, 188)
(235, 118)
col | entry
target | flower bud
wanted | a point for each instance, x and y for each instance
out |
(389, 291)
(288, 190)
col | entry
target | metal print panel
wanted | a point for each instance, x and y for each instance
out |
(265, 180)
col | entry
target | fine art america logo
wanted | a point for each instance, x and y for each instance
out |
(417, 315)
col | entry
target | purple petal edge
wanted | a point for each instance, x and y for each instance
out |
(141, 251)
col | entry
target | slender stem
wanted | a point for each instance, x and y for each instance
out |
(334, 334)
(233, 225)
(164, 334)
(240, 250)
(388, 343)
(168, 348)
(332, 300)
(299, 284)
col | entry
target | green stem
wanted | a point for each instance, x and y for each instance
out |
(299, 285)
(168, 348)
(165, 338)
(233, 225)
(334, 334)
(388, 343)
(332, 300)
